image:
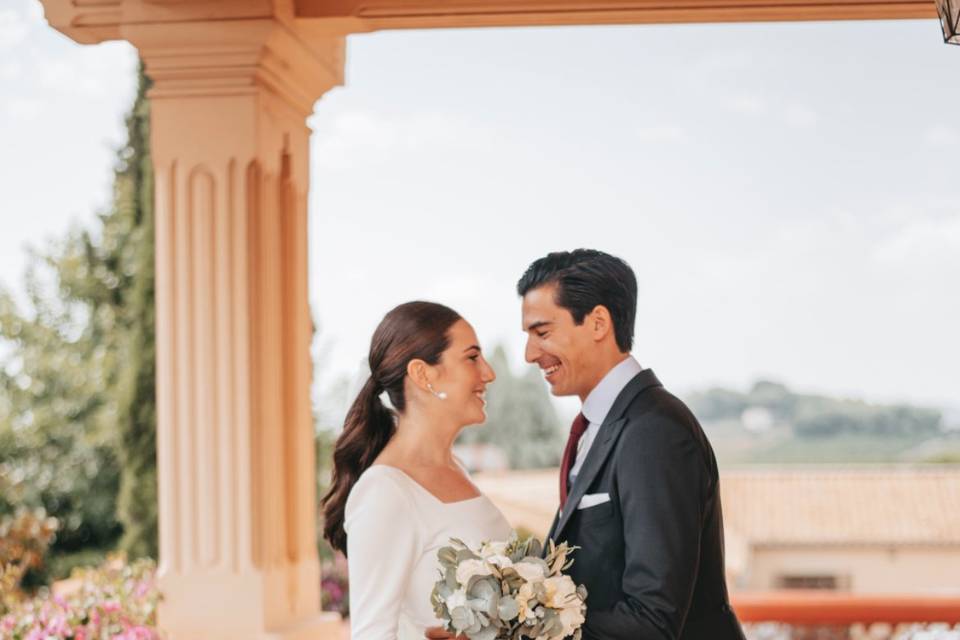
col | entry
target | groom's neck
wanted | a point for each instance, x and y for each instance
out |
(605, 363)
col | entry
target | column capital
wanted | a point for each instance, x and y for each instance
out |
(213, 47)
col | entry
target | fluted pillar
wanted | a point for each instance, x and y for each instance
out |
(236, 464)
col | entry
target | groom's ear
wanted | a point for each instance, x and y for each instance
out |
(599, 322)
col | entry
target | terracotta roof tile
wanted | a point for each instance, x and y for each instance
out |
(790, 506)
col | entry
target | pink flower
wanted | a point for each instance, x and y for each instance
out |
(58, 626)
(135, 633)
(111, 606)
(119, 603)
(35, 634)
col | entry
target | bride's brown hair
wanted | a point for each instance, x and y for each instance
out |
(414, 330)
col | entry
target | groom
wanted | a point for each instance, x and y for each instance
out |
(639, 490)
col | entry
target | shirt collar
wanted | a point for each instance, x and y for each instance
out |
(601, 399)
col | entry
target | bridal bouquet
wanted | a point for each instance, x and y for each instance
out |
(506, 591)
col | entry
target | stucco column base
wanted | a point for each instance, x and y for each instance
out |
(236, 601)
(323, 625)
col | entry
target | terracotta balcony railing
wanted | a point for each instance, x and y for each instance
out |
(815, 608)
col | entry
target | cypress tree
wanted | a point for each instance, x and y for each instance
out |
(137, 412)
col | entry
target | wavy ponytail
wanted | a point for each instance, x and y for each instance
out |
(415, 330)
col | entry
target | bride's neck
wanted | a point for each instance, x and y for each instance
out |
(423, 440)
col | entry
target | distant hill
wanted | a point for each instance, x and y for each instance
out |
(772, 424)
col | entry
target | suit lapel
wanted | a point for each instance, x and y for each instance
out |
(602, 447)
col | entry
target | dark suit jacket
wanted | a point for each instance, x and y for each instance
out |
(652, 557)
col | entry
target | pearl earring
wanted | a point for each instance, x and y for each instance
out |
(442, 394)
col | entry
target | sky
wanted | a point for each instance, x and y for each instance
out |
(786, 193)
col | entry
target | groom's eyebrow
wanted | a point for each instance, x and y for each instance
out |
(536, 325)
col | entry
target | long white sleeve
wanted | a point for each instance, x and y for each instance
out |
(382, 549)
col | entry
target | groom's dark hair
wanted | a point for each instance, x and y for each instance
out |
(586, 278)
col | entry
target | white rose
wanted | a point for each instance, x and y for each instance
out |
(470, 568)
(572, 618)
(523, 595)
(494, 549)
(560, 591)
(529, 571)
(500, 561)
(457, 599)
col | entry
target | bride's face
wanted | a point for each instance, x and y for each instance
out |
(464, 375)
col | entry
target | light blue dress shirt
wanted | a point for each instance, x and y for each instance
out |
(598, 405)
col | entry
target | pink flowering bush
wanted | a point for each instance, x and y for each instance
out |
(334, 588)
(115, 602)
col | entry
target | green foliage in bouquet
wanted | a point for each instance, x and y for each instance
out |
(507, 591)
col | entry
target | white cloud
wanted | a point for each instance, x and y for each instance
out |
(465, 289)
(22, 109)
(89, 70)
(360, 137)
(357, 130)
(662, 134)
(10, 69)
(747, 104)
(800, 116)
(931, 240)
(13, 28)
(795, 115)
(941, 135)
(34, 13)
(723, 61)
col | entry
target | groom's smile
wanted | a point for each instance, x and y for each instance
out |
(549, 373)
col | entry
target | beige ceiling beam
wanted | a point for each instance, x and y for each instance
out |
(350, 16)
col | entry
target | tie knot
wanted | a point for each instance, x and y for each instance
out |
(580, 424)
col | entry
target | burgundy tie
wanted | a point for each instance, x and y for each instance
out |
(580, 424)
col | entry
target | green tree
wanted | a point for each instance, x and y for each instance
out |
(76, 370)
(773, 396)
(56, 440)
(137, 506)
(718, 404)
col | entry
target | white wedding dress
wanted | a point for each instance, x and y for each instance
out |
(394, 529)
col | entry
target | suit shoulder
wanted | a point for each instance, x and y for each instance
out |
(658, 421)
(658, 408)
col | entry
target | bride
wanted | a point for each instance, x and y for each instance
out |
(398, 493)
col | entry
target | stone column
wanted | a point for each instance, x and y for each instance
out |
(233, 85)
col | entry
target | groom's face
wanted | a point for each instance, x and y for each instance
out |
(555, 343)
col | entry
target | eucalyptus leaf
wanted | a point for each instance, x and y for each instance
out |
(451, 579)
(508, 608)
(466, 554)
(535, 548)
(447, 556)
(462, 618)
